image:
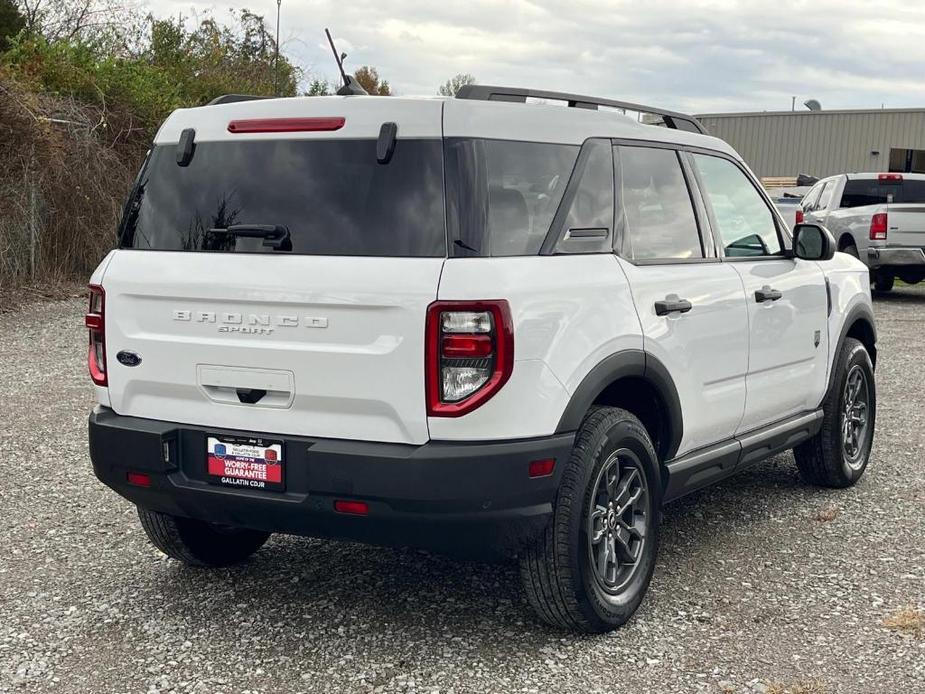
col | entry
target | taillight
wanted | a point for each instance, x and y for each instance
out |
(469, 354)
(95, 320)
(800, 216)
(878, 227)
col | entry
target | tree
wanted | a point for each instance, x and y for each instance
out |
(319, 87)
(451, 86)
(368, 77)
(11, 23)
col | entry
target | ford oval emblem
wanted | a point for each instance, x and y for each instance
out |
(127, 358)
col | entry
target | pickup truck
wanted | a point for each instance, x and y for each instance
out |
(877, 217)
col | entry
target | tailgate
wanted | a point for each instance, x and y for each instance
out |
(302, 345)
(906, 225)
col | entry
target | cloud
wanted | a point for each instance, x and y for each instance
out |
(699, 55)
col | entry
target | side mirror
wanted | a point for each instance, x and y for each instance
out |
(813, 242)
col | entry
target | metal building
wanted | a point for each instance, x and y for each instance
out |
(822, 143)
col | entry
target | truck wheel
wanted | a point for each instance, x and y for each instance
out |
(851, 249)
(838, 455)
(883, 282)
(198, 543)
(591, 567)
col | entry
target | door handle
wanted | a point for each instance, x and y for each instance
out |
(672, 304)
(767, 294)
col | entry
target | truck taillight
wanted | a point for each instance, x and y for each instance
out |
(800, 217)
(878, 224)
(95, 321)
(469, 354)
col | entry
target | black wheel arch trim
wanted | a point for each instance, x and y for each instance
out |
(630, 363)
(859, 313)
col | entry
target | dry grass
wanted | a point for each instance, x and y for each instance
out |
(807, 687)
(826, 514)
(908, 621)
(65, 170)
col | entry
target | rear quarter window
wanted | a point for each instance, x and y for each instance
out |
(502, 195)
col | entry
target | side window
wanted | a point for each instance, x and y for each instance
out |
(588, 203)
(655, 205)
(825, 197)
(745, 222)
(809, 200)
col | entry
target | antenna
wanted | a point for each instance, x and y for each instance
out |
(351, 86)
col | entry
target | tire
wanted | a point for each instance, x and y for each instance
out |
(559, 570)
(883, 282)
(829, 459)
(198, 543)
(851, 250)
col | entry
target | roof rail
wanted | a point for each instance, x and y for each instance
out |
(234, 98)
(482, 92)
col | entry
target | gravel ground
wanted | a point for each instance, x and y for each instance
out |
(763, 584)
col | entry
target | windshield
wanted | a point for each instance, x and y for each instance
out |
(332, 196)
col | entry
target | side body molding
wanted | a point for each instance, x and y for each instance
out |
(631, 363)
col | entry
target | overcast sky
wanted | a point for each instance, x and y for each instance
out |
(710, 56)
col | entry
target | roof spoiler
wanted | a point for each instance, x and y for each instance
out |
(672, 119)
(234, 98)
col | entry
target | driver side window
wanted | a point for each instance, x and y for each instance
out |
(745, 222)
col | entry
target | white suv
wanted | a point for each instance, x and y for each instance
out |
(468, 324)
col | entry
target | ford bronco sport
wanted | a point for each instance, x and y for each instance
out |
(469, 324)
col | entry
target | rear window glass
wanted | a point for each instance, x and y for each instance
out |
(860, 192)
(502, 195)
(332, 196)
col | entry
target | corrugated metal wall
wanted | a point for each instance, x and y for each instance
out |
(819, 143)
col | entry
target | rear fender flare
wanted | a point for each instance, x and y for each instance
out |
(626, 364)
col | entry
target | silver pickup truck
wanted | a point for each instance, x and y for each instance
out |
(877, 217)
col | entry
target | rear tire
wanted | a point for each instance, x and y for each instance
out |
(851, 250)
(198, 543)
(883, 282)
(591, 567)
(838, 455)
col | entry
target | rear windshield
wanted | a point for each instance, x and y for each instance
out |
(860, 192)
(329, 197)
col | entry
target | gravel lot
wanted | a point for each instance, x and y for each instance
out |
(763, 584)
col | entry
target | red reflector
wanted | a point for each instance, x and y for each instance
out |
(890, 178)
(466, 346)
(94, 321)
(800, 216)
(878, 224)
(542, 468)
(285, 125)
(139, 479)
(357, 508)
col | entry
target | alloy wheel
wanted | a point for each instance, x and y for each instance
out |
(618, 520)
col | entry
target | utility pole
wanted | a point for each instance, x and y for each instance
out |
(276, 59)
(793, 103)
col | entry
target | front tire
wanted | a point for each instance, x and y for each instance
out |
(197, 543)
(591, 567)
(838, 455)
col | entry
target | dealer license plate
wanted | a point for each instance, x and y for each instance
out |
(245, 462)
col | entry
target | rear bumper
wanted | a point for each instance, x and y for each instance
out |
(467, 498)
(887, 257)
